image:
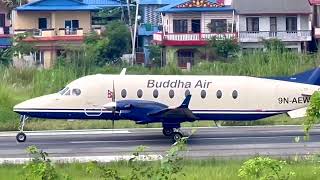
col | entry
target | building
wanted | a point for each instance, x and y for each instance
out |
(286, 20)
(187, 27)
(150, 23)
(316, 23)
(5, 27)
(55, 25)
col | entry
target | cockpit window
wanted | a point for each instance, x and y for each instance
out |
(67, 93)
(63, 91)
(76, 92)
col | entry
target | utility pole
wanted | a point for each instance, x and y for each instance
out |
(135, 33)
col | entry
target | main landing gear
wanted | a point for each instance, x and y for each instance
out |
(174, 133)
(21, 136)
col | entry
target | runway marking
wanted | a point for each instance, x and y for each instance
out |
(57, 133)
(84, 159)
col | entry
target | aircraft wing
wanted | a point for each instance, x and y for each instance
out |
(149, 111)
(298, 113)
(180, 112)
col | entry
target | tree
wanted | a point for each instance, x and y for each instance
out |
(110, 46)
(11, 4)
(224, 47)
(274, 45)
(155, 54)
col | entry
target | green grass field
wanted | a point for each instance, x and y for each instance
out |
(17, 85)
(193, 170)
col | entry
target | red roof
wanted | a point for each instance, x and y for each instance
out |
(314, 2)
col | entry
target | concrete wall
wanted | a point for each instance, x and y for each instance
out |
(264, 22)
(29, 20)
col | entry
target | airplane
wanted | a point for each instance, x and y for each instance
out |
(173, 99)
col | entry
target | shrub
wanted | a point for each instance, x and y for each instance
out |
(264, 168)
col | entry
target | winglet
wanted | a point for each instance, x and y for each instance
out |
(186, 101)
(123, 72)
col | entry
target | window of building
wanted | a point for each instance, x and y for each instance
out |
(187, 93)
(71, 27)
(219, 94)
(235, 94)
(203, 94)
(171, 93)
(185, 56)
(252, 24)
(139, 93)
(218, 25)
(123, 93)
(180, 26)
(38, 58)
(155, 93)
(291, 24)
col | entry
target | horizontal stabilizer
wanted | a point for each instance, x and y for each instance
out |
(298, 113)
(307, 92)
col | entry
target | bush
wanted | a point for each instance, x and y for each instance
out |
(264, 168)
(224, 47)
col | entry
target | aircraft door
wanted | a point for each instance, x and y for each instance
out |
(93, 111)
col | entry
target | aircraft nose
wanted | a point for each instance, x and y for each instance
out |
(35, 103)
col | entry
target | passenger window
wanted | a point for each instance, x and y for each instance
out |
(219, 94)
(139, 93)
(187, 93)
(235, 94)
(171, 93)
(203, 94)
(155, 93)
(124, 93)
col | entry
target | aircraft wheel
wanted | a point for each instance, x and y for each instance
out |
(167, 131)
(176, 136)
(21, 137)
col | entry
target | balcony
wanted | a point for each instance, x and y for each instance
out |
(289, 36)
(317, 32)
(63, 34)
(188, 39)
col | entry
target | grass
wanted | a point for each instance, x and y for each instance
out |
(17, 85)
(194, 169)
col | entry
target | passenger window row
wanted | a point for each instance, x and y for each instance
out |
(155, 93)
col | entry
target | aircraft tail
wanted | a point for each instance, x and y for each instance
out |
(308, 77)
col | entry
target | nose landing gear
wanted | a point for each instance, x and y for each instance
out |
(21, 136)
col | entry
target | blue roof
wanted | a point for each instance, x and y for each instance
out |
(57, 5)
(104, 3)
(172, 8)
(158, 2)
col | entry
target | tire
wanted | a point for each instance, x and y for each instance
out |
(167, 131)
(176, 136)
(21, 137)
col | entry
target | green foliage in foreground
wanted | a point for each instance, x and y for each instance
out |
(18, 85)
(172, 166)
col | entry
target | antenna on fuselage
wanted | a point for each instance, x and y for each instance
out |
(123, 72)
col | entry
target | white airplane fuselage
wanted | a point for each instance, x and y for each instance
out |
(213, 97)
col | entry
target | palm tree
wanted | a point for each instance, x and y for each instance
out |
(11, 4)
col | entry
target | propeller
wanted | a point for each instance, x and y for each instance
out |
(113, 101)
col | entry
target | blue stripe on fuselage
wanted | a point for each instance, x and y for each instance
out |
(234, 115)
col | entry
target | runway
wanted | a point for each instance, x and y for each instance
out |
(206, 142)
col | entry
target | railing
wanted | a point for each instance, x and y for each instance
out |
(191, 36)
(256, 36)
(52, 32)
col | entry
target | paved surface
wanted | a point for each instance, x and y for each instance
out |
(206, 142)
